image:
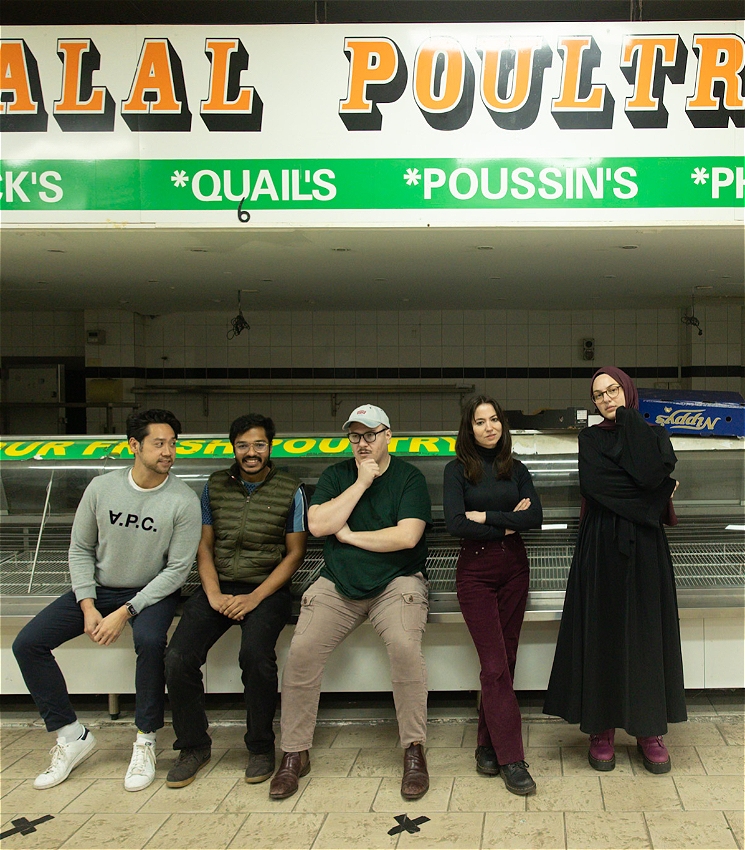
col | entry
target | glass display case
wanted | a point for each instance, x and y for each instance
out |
(44, 478)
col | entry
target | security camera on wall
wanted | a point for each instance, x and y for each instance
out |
(588, 348)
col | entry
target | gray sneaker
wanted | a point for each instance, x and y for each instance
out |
(187, 764)
(260, 767)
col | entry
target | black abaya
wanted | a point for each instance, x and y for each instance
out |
(618, 661)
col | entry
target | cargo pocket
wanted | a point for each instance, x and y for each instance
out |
(414, 611)
(306, 612)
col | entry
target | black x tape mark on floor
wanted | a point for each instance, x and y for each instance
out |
(25, 826)
(406, 825)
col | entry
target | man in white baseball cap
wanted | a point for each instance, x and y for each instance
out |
(373, 510)
(370, 415)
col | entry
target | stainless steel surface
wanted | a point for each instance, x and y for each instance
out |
(709, 561)
(708, 574)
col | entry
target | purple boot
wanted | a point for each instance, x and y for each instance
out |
(602, 755)
(655, 754)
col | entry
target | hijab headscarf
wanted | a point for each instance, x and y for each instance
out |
(632, 401)
(627, 385)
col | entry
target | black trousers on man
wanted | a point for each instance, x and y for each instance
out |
(198, 630)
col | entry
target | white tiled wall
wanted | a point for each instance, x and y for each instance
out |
(378, 339)
(42, 333)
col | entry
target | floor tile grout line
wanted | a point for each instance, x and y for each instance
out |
(168, 816)
(242, 824)
(680, 796)
(354, 761)
(731, 827)
(320, 829)
(483, 828)
(566, 829)
(450, 794)
(602, 794)
(648, 829)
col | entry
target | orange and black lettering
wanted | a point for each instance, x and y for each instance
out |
(230, 106)
(157, 100)
(377, 74)
(646, 62)
(512, 79)
(82, 107)
(443, 83)
(720, 82)
(581, 105)
(21, 101)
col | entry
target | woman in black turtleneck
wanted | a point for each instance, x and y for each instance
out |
(489, 499)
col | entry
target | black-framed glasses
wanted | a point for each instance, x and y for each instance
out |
(611, 391)
(368, 436)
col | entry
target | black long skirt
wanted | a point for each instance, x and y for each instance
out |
(618, 660)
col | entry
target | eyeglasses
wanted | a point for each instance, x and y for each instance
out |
(368, 436)
(260, 446)
(611, 391)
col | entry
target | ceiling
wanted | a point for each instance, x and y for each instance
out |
(158, 271)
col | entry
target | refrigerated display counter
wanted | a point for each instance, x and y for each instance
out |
(43, 479)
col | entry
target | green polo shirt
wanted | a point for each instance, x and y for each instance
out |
(399, 493)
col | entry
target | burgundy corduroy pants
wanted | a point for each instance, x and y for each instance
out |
(492, 580)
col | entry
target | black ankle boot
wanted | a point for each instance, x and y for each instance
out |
(516, 778)
(486, 761)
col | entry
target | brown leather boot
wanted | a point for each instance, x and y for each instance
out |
(285, 781)
(415, 782)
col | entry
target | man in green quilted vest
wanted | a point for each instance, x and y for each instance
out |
(254, 532)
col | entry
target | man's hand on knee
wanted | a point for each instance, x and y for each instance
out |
(91, 617)
(110, 627)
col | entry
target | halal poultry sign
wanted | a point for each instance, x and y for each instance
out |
(335, 124)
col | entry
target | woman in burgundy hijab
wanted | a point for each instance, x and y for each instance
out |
(618, 661)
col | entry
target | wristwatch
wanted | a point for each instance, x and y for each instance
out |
(130, 609)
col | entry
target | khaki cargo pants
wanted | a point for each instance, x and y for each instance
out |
(398, 615)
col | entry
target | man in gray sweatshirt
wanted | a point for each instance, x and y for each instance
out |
(133, 543)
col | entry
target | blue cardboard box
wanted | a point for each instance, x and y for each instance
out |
(702, 412)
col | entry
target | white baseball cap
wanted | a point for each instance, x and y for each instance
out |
(367, 414)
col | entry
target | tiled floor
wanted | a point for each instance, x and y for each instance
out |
(351, 797)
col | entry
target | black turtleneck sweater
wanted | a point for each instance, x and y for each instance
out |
(497, 497)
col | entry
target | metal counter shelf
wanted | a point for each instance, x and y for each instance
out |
(710, 576)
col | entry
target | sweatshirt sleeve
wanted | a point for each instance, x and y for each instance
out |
(81, 556)
(187, 530)
(454, 508)
(520, 520)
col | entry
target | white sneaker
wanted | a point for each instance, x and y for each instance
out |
(141, 770)
(65, 757)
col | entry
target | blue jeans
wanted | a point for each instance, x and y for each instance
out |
(198, 630)
(62, 621)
